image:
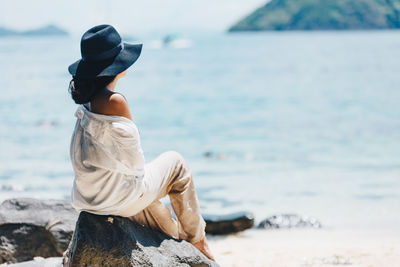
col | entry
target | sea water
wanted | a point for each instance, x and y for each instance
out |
(278, 122)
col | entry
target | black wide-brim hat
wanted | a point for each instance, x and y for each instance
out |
(104, 54)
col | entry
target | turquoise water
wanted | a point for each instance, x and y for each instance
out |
(302, 122)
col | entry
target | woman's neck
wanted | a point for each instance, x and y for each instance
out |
(111, 86)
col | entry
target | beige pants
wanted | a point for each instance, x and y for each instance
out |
(170, 175)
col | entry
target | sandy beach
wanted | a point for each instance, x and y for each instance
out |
(308, 248)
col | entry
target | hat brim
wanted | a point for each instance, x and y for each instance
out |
(110, 67)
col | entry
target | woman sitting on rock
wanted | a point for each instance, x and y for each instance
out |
(111, 177)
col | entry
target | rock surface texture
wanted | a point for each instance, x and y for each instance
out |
(22, 242)
(322, 15)
(58, 216)
(117, 241)
(227, 224)
(40, 262)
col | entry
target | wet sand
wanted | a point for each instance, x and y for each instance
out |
(308, 248)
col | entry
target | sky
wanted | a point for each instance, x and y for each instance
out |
(132, 16)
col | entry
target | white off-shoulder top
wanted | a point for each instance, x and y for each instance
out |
(108, 163)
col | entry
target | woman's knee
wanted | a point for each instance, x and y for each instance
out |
(175, 157)
(181, 168)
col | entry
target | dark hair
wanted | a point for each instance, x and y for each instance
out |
(83, 89)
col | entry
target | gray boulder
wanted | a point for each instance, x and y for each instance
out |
(58, 216)
(289, 221)
(230, 223)
(117, 241)
(40, 262)
(22, 242)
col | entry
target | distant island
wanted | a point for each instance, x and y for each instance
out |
(43, 31)
(279, 15)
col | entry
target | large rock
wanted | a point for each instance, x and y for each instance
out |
(22, 242)
(289, 221)
(322, 15)
(58, 216)
(230, 223)
(117, 241)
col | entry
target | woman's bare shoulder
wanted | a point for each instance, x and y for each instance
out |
(117, 105)
(113, 104)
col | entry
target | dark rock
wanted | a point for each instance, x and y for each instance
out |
(227, 224)
(22, 242)
(281, 15)
(60, 217)
(289, 221)
(56, 215)
(117, 241)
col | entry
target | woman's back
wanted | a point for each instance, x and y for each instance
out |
(108, 161)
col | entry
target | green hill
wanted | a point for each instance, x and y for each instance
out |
(322, 15)
(46, 30)
(43, 31)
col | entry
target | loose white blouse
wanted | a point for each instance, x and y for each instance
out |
(108, 163)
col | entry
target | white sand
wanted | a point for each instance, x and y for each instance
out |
(292, 248)
(308, 247)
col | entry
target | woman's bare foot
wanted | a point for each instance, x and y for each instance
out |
(202, 245)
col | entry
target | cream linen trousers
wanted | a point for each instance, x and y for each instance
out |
(112, 178)
(170, 175)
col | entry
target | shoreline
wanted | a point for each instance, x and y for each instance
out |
(308, 248)
(303, 245)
